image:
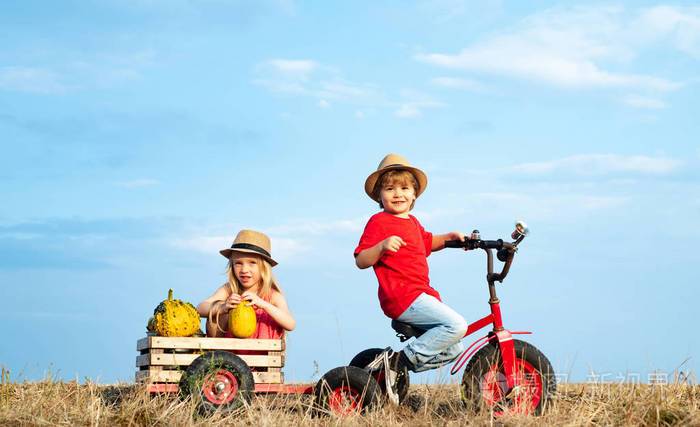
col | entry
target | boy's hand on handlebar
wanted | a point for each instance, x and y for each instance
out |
(392, 244)
(457, 235)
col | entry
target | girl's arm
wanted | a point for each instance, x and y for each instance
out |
(220, 300)
(276, 308)
(439, 239)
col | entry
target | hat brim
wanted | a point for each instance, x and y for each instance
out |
(371, 180)
(226, 253)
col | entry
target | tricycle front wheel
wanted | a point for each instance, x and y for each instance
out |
(484, 383)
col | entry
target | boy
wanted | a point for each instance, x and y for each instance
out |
(397, 245)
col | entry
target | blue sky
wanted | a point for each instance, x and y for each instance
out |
(139, 136)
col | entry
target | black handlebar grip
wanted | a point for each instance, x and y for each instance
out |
(492, 244)
(454, 244)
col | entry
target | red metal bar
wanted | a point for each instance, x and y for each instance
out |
(475, 326)
(505, 342)
(466, 354)
(163, 388)
(284, 388)
(496, 313)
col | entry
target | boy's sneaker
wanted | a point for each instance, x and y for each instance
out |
(392, 363)
(391, 375)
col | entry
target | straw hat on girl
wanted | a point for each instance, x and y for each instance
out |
(251, 242)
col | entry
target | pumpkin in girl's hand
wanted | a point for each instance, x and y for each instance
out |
(242, 320)
(175, 318)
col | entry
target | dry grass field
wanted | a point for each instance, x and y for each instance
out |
(69, 403)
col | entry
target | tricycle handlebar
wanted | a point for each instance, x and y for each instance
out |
(477, 244)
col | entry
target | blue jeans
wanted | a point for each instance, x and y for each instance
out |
(445, 328)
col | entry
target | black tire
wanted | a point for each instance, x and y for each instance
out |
(346, 390)
(365, 357)
(484, 384)
(218, 381)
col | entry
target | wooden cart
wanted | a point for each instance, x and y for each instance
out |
(208, 370)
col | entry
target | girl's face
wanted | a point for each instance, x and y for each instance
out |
(397, 198)
(246, 270)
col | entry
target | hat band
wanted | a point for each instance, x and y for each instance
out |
(250, 247)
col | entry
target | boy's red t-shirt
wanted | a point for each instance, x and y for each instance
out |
(402, 275)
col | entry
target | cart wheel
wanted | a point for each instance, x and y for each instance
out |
(346, 390)
(218, 380)
(365, 357)
(484, 383)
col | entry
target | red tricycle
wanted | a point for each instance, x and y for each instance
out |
(504, 374)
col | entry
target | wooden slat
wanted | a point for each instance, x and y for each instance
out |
(182, 359)
(142, 344)
(204, 343)
(174, 376)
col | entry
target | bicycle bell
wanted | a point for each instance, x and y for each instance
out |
(521, 230)
(475, 235)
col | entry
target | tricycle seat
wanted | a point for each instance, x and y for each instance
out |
(405, 331)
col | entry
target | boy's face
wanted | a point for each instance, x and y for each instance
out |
(397, 198)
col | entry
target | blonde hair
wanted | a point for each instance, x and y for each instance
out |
(267, 279)
(395, 176)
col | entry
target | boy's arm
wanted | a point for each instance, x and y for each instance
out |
(371, 255)
(439, 239)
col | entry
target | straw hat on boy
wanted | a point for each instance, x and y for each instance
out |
(251, 242)
(395, 161)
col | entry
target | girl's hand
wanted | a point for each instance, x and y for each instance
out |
(392, 244)
(254, 299)
(232, 301)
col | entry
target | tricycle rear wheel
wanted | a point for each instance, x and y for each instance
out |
(346, 390)
(365, 357)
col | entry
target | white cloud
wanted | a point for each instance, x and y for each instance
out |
(601, 164)
(31, 79)
(320, 227)
(414, 103)
(573, 47)
(102, 70)
(552, 206)
(283, 248)
(638, 101)
(301, 67)
(203, 244)
(288, 240)
(412, 110)
(679, 25)
(311, 79)
(408, 111)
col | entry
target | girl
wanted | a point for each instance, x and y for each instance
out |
(249, 272)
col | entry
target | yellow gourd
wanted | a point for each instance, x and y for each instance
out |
(242, 320)
(174, 318)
